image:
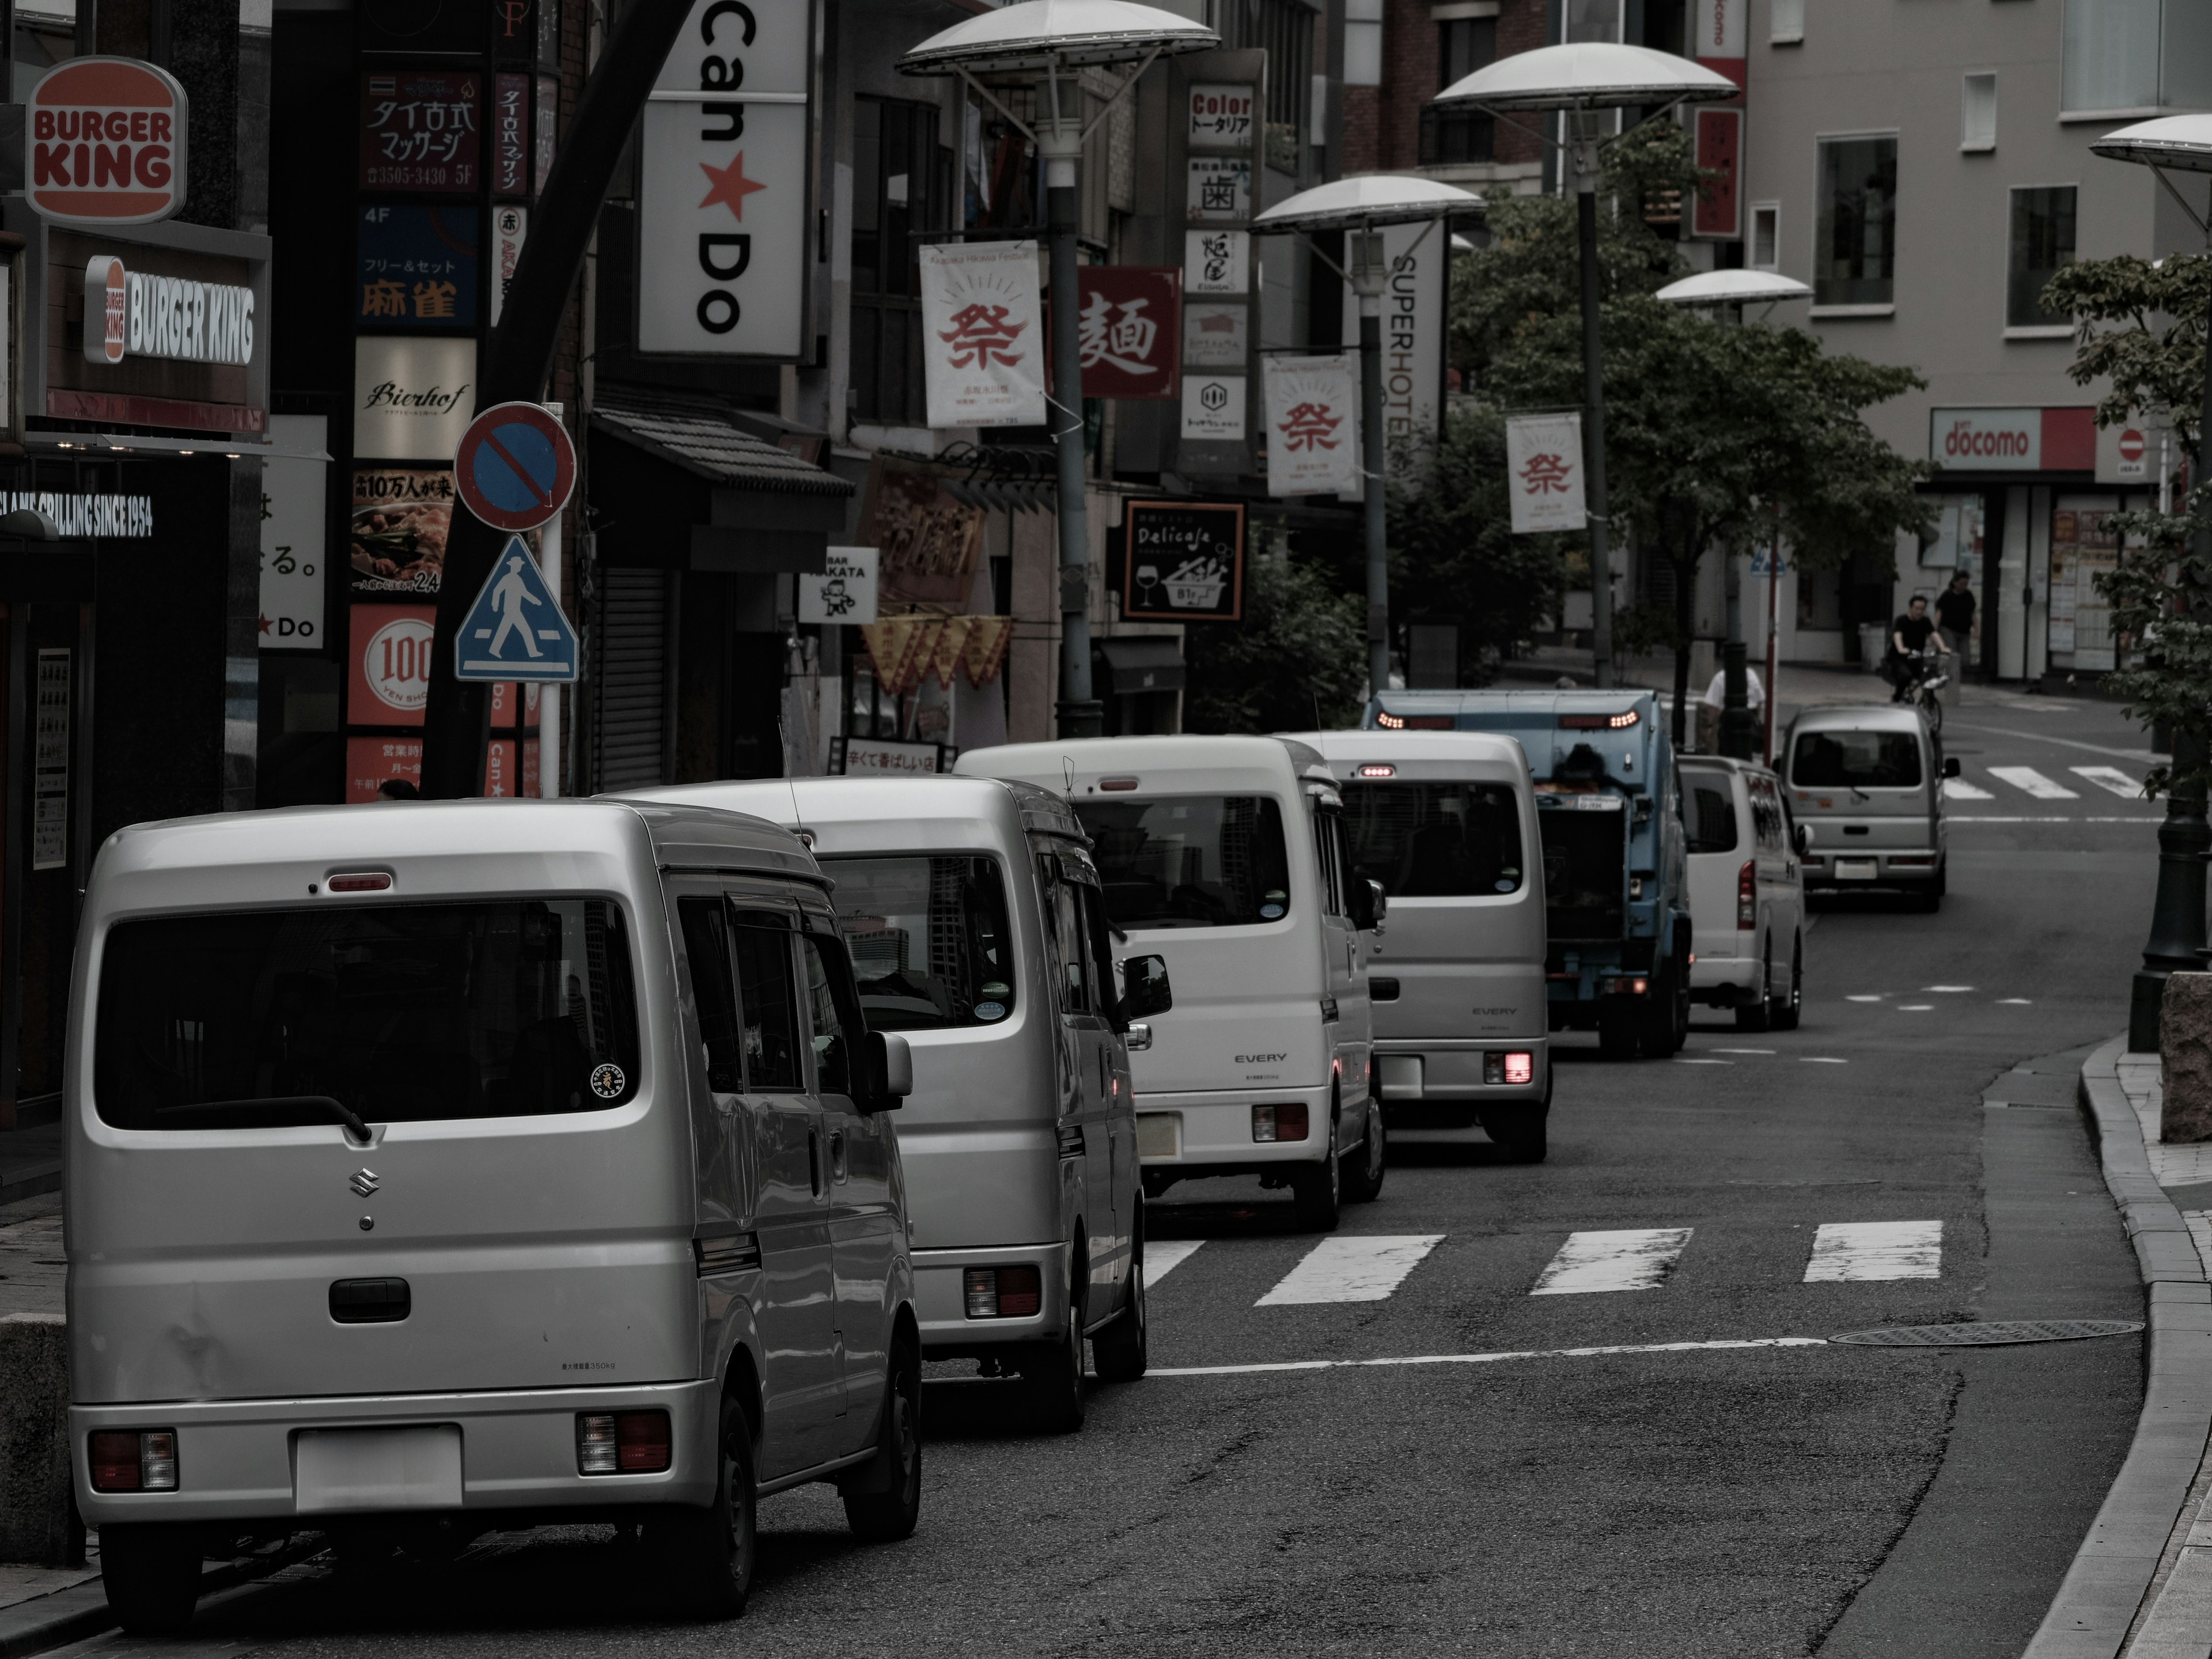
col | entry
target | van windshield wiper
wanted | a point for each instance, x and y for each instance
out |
(258, 1112)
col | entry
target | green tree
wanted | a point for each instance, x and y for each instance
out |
(1298, 661)
(2141, 327)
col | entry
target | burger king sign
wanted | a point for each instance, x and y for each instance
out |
(107, 138)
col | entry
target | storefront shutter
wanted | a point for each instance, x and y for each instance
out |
(630, 737)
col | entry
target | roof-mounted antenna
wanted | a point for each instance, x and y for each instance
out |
(806, 836)
(1067, 771)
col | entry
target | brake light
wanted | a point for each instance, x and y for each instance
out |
(1598, 722)
(361, 881)
(1117, 784)
(1278, 1122)
(1378, 771)
(1003, 1293)
(1746, 895)
(133, 1460)
(621, 1443)
(1389, 722)
(1520, 1068)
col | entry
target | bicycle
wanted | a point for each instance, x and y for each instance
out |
(1918, 681)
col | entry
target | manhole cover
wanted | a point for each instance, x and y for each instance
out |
(1990, 1333)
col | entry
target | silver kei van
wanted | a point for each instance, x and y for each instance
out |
(434, 1167)
(1866, 784)
(1446, 822)
(1225, 857)
(973, 914)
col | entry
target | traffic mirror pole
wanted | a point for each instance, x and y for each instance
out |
(458, 721)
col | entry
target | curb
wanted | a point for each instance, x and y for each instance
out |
(46, 1622)
(2112, 1571)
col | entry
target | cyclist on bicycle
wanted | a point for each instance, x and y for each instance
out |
(1908, 637)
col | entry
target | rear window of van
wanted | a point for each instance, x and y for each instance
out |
(1190, 860)
(929, 938)
(1709, 809)
(1861, 760)
(1431, 840)
(403, 1013)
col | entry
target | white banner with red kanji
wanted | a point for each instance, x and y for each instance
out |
(1313, 424)
(1544, 471)
(983, 345)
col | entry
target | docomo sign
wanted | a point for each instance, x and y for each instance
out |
(107, 143)
(2048, 439)
(174, 317)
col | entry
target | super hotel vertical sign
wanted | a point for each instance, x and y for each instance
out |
(723, 244)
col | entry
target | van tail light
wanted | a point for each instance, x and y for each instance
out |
(1747, 896)
(361, 881)
(1520, 1068)
(133, 1460)
(1003, 1293)
(621, 1443)
(1278, 1122)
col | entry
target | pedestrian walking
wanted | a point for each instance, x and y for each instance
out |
(1954, 618)
(1715, 699)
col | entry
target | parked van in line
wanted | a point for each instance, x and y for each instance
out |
(1865, 781)
(972, 913)
(1446, 822)
(1225, 857)
(443, 1167)
(1747, 892)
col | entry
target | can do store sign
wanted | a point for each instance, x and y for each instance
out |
(173, 317)
(107, 143)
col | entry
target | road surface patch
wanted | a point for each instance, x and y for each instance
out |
(2027, 779)
(1634, 1259)
(1163, 1256)
(1864, 1250)
(1960, 789)
(1357, 1269)
(2111, 778)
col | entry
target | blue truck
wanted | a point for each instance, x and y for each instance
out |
(1616, 899)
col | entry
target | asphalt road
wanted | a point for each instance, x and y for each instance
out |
(1742, 1500)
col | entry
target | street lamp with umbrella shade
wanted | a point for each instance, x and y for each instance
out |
(1048, 43)
(1361, 207)
(2176, 923)
(1740, 288)
(1580, 80)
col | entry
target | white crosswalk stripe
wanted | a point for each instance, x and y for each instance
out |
(1960, 789)
(1636, 1259)
(2027, 778)
(1163, 1256)
(1849, 1250)
(1354, 1269)
(2111, 778)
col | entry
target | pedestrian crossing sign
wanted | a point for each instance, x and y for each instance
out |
(515, 630)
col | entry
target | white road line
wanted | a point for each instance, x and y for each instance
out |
(1875, 1249)
(1823, 1060)
(1363, 1268)
(2111, 778)
(1493, 1359)
(1960, 789)
(1743, 1051)
(2029, 778)
(1682, 1060)
(1947, 989)
(1163, 1256)
(1634, 1259)
(2015, 1002)
(1876, 997)
(1915, 1007)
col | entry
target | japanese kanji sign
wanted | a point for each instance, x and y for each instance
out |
(1128, 327)
(1221, 117)
(1220, 187)
(1313, 424)
(422, 131)
(983, 344)
(1544, 472)
(415, 270)
(1183, 562)
(1214, 261)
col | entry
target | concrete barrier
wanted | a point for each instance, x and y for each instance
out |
(2184, 1047)
(38, 1507)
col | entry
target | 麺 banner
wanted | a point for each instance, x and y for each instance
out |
(1129, 326)
(1544, 471)
(982, 342)
(1313, 424)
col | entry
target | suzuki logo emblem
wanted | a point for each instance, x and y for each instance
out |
(365, 1181)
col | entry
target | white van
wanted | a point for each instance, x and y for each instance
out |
(436, 1168)
(1446, 822)
(972, 912)
(1747, 892)
(1226, 857)
(1866, 782)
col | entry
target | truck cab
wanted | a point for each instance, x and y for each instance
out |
(1608, 813)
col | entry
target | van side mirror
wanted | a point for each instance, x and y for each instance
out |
(1803, 838)
(1951, 768)
(1145, 988)
(890, 1073)
(1367, 903)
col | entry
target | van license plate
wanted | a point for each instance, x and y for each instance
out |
(340, 1470)
(1854, 869)
(1159, 1134)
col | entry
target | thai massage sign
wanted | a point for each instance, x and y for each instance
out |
(421, 131)
(724, 242)
(107, 143)
(982, 336)
(1313, 425)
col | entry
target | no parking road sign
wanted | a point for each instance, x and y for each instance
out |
(515, 466)
(515, 630)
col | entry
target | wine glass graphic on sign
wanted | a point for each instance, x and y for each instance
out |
(1148, 577)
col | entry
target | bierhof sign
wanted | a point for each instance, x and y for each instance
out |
(173, 317)
(723, 208)
(107, 144)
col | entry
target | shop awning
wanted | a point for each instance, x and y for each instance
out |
(1142, 662)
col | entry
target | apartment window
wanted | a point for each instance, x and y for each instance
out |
(1785, 22)
(895, 190)
(1362, 43)
(1464, 45)
(2136, 54)
(1593, 20)
(1766, 235)
(1855, 259)
(1978, 112)
(2042, 243)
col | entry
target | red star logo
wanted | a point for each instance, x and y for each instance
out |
(730, 187)
(265, 624)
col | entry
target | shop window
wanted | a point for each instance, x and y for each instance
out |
(1464, 45)
(2042, 242)
(895, 199)
(1855, 260)
(2136, 54)
(2082, 549)
(1767, 235)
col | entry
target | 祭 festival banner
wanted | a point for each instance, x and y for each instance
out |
(1544, 472)
(1313, 424)
(984, 341)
